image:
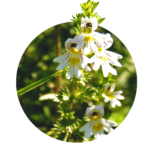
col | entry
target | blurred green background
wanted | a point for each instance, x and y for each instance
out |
(37, 63)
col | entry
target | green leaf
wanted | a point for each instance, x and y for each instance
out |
(37, 83)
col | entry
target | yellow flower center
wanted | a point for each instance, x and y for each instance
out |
(95, 116)
(111, 97)
(74, 50)
(104, 59)
(88, 39)
(97, 127)
(100, 49)
(87, 30)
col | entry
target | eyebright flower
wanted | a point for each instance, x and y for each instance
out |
(74, 58)
(111, 96)
(104, 58)
(88, 25)
(97, 125)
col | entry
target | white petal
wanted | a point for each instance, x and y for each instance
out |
(119, 97)
(97, 34)
(70, 72)
(67, 43)
(100, 108)
(88, 132)
(61, 58)
(114, 62)
(97, 64)
(77, 39)
(112, 123)
(88, 110)
(94, 23)
(108, 123)
(107, 86)
(113, 54)
(93, 47)
(62, 65)
(77, 72)
(103, 95)
(108, 129)
(85, 127)
(105, 69)
(87, 49)
(106, 100)
(86, 60)
(103, 40)
(117, 102)
(92, 59)
(113, 104)
(112, 85)
(117, 93)
(112, 70)
(87, 68)
(84, 63)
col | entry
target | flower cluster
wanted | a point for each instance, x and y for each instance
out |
(81, 45)
(75, 57)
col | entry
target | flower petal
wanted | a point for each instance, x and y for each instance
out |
(112, 70)
(77, 72)
(62, 65)
(85, 127)
(93, 47)
(77, 39)
(106, 100)
(108, 123)
(112, 54)
(97, 64)
(67, 43)
(119, 97)
(117, 102)
(61, 58)
(70, 72)
(87, 49)
(105, 69)
(107, 129)
(117, 93)
(113, 104)
(88, 132)
(114, 62)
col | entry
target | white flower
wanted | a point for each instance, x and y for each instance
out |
(96, 125)
(74, 58)
(104, 58)
(111, 96)
(89, 36)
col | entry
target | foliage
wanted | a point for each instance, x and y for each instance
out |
(87, 11)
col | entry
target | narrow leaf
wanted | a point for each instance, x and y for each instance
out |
(37, 83)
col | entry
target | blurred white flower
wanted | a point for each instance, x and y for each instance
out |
(112, 96)
(74, 58)
(96, 125)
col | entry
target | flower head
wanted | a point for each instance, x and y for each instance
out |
(97, 125)
(112, 96)
(88, 25)
(104, 58)
(74, 58)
